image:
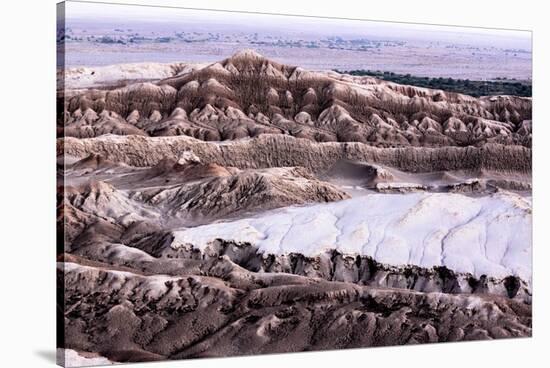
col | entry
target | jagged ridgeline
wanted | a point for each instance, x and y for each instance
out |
(248, 95)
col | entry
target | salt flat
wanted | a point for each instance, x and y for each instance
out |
(483, 236)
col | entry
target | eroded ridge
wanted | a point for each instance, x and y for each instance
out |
(248, 207)
(248, 95)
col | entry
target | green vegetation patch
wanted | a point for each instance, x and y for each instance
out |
(499, 86)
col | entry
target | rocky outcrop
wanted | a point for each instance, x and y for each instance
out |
(248, 95)
(231, 208)
(406, 249)
(278, 150)
(123, 315)
(241, 192)
(193, 192)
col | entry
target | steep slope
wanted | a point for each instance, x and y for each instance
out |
(153, 317)
(488, 236)
(364, 175)
(279, 150)
(190, 192)
(248, 95)
(244, 191)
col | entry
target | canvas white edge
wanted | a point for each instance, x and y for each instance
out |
(27, 307)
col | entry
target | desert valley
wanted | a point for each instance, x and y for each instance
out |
(246, 206)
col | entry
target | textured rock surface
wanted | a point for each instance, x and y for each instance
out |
(278, 150)
(231, 208)
(154, 316)
(193, 192)
(247, 95)
(484, 236)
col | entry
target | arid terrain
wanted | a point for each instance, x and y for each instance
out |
(92, 39)
(246, 206)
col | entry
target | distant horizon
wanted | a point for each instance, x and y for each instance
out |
(107, 33)
(82, 10)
